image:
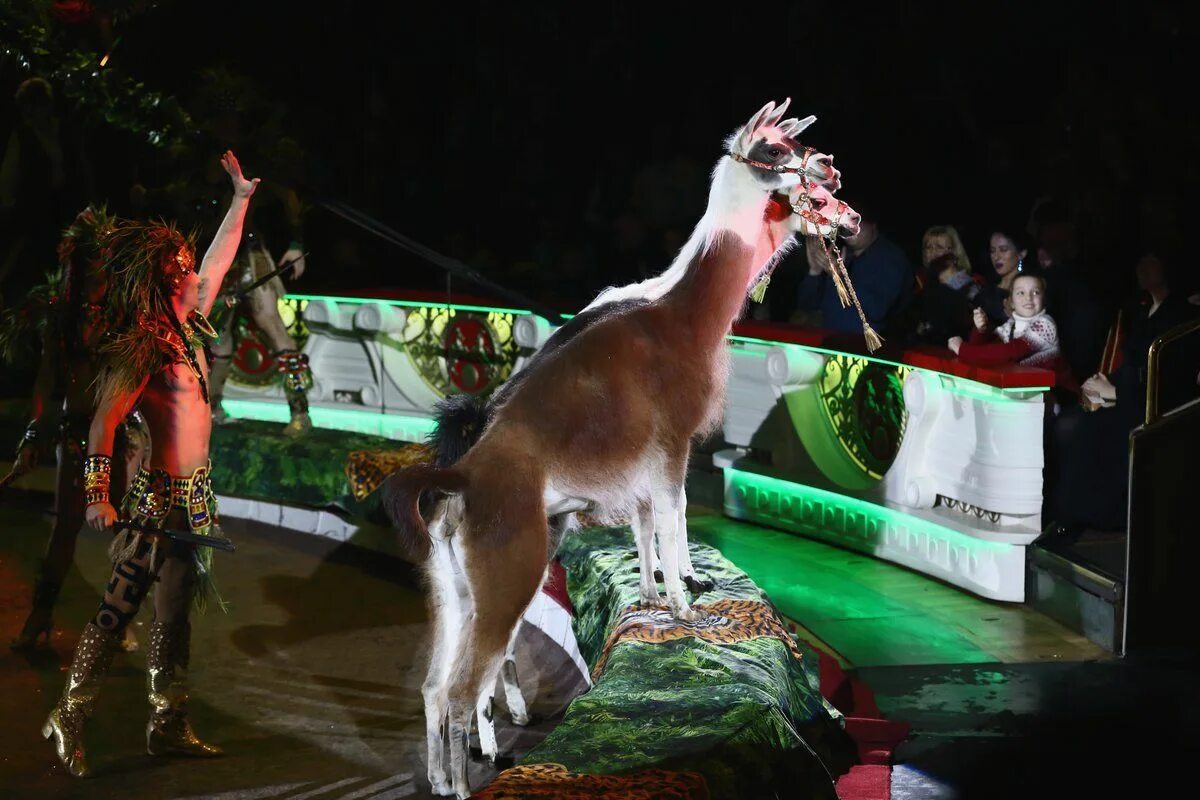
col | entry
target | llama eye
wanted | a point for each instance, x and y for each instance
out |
(774, 152)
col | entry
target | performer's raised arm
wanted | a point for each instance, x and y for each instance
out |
(228, 238)
(113, 407)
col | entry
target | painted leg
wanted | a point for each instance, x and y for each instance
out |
(666, 522)
(293, 365)
(643, 533)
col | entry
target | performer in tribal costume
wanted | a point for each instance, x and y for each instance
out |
(69, 315)
(155, 360)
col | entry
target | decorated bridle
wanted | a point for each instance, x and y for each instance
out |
(778, 168)
(837, 266)
(833, 254)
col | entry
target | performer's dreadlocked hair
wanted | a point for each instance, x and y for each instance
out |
(53, 308)
(81, 259)
(22, 324)
(144, 260)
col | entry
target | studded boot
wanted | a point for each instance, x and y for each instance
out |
(169, 731)
(64, 726)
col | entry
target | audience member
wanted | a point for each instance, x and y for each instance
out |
(879, 269)
(1007, 253)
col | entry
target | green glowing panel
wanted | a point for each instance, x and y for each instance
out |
(988, 568)
(408, 304)
(397, 427)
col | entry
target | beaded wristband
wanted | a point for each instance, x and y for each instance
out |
(97, 476)
(294, 367)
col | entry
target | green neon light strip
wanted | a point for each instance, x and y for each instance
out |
(358, 301)
(399, 427)
(961, 385)
(799, 491)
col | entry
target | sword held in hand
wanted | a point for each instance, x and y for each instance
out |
(186, 537)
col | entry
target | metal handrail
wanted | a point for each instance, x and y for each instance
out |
(1152, 368)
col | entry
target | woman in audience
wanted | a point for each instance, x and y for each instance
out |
(1008, 253)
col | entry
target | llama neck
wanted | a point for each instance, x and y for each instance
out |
(737, 245)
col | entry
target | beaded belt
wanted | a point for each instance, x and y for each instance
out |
(154, 493)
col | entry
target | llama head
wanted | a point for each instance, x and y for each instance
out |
(816, 212)
(768, 147)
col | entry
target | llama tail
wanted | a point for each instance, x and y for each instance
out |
(401, 494)
(461, 419)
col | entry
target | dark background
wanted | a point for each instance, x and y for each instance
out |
(564, 147)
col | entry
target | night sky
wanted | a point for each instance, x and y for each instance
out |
(510, 134)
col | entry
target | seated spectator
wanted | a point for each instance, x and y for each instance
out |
(938, 241)
(1007, 252)
(1029, 337)
(1087, 486)
(945, 298)
(878, 268)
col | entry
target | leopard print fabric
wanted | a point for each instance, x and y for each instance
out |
(367, 469)
(535, 781)
(723, 622)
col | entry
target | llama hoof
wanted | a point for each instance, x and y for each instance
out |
(490, 758)
(696, 585)
(441, 787)
(525, 720)
(686, 613)
(650, 599)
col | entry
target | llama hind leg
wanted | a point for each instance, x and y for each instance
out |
(446, 608)
(473, 679)
(643, 534)
(517, 710)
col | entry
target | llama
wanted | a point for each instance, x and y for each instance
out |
(607, 420)
(809, 210)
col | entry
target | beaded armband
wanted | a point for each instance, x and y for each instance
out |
(29, 438)
(97, 475)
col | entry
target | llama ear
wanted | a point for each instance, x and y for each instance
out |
(750, 127)
(779, 112)
(797, 125)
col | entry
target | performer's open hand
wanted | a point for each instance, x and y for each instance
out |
(101, 516)
(241, 186)
(955, 343)
(979, 317)
(296, 253)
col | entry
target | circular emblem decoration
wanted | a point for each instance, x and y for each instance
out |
(253, 364)
(471, 354)
(864, 401)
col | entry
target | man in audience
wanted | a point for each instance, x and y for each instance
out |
(880, 271)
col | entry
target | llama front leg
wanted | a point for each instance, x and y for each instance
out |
(643, 533)
(666, 524)
(695, 584)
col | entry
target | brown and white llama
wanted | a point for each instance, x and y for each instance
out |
(809, 210)
(608, 420)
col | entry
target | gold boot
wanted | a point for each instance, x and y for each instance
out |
(93, 656)
(169, 731)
